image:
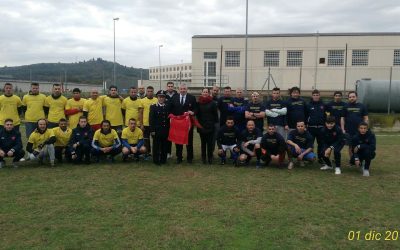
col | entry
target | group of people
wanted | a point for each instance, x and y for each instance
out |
(89, 130)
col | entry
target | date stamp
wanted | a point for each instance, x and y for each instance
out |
(373, 235)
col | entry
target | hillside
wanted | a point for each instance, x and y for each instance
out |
(89, 72)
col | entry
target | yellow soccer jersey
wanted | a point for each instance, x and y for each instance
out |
(132, 109)
(73, 104)
(94, 109)
(9, 108)
(113, 110)
(105, 140)
(62, 137)
(34, 107)
(56, 108)
(146, 103)
(132, 137)
(37, 138)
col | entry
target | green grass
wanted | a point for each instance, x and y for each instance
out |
(141, 206)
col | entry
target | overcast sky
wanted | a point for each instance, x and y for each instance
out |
(77, 30)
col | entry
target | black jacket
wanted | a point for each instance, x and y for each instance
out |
(365, 142)
(332, 137)
(82, 135)
(158, 119)
(175, 107)
(228, 136)
(10, 140)
(207, 116)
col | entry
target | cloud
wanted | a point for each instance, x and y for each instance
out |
(66, 31)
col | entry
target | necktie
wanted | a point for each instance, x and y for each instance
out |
(182, 100)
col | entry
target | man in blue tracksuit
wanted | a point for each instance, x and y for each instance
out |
(238, 108)
(10, 143)
(363, 145)
(80, 142)
(315, 113)
(296, 108)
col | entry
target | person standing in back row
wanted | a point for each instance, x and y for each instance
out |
(179, 104)
(33, 103)
(276, 112)
(296, 109)
(54, 106)
(10, 107)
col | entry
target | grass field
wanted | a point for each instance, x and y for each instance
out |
(141, 206)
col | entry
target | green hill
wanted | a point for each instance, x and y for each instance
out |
(93, 71)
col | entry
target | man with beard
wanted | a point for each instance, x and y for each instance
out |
(54, 106)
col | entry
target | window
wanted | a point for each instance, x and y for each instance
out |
(232, 58)
(359, 57)
(335, 57)
(190, 74)
(163, 70)
(190, 67)
(396, 57)
(294, 58)
(185, 67)
(271, 58)
(210, 55)
(185, 74)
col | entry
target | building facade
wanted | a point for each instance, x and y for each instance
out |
(324, 61)
(175, 72)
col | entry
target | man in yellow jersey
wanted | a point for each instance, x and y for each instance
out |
(54, 106)
(132, 141)
(113, 112)
(63, 135)
(146, 103)
(33, 103)
(10, 106)
(41, 143)
(105, 142)
(93, 109)
(131, 106)
(74, 108)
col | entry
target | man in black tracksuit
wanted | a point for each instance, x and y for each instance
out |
(273, 145)
(315, 113)
(159, 127)
(10, 143)
(335, 108)
(332, 140)
(223, 104)
(80, 142)
(363, 145)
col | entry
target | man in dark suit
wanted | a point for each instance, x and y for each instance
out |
(179, 104)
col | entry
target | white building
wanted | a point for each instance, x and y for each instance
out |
(175, 72)
(325, 61)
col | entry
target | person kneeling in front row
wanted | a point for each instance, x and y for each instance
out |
(332, 141)
(80, 142)
(10, 143)
(132, 141)
(300, 145)
(228, 139)
(105, 142)
(363, 146)
(41, 143)
(273, 146)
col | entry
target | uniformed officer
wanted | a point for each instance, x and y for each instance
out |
(159, 127)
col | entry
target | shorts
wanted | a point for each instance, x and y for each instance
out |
(308, 156)
(231, 147)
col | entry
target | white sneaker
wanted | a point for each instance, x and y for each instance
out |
(366, 172)
(338, 171)
(290, 165)
(169, 156)
(22, 159)
(52, 163)
(326, 167)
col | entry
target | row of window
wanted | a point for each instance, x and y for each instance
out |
(294, 58)
(155, 70)
(172, 76)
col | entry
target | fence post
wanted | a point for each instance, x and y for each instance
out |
(390, 89)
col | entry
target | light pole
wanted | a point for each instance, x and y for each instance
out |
(159, 60)
(245, 50)
(114, 19)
